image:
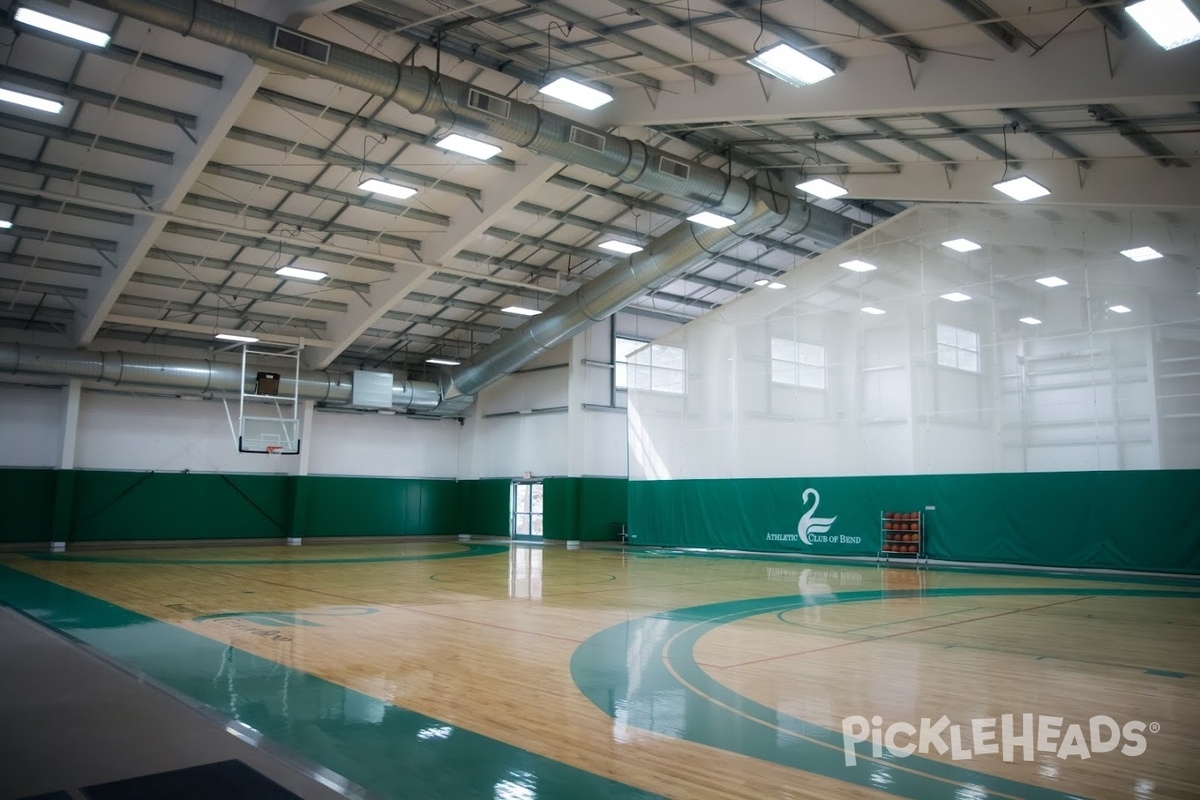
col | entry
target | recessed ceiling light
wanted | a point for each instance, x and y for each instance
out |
(762, 281)
(711, 220)
(1052, 281)
(576, 93)
(873, 310)
(1022, 188)
(525, 312)
(617, 246)
(956, 297)
(233, 337)
(776, 285)
(1142, 254)
(822, 188)
(390, 189)
(445, 362)
(1031, 320)
(857, 266)
(789, 64)
(302, 274)
(468, 147)
(30, 101)
(1169, 22)
(5, 223)
(962, 245)
(36, 19)
(1120, 309)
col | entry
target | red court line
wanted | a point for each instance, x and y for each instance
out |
(902, 633)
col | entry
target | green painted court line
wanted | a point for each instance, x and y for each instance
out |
(1165, 673)
(602, 668)
(467, 551)
(382, 747)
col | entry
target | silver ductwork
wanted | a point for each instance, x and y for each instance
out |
(755, 205)
(683, 245)
(464, 107)
(195, 375)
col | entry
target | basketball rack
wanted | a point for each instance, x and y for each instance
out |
(277, 434)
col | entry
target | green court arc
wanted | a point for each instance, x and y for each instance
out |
(468, 551)
(601, 669)
(383, 747)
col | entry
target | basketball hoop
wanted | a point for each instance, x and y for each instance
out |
(274, 449)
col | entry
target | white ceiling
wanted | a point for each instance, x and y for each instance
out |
(156, 206)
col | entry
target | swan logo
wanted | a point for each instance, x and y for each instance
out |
(811, 525)
(813, 530)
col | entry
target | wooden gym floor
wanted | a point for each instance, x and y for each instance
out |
(472, 670)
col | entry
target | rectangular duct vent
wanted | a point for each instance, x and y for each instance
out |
(371, 389)
(489, 103)
(673, 167)
(585, 138)
(298, 44)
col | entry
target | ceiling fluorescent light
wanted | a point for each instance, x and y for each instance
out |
(302, 274)
(776, 285)
(445, 362)
(962, 245)
(788, 64)
(1031, 320)
(617, 246)
(1022, 188)
(30, 101)
(390, 189)
(5, 223)
(762, 282)
(36, 19)
(576, 93)
(1052, 281)
(1120, 309)
(233, 337)
(1142, 254)
(525, 312)
(857, 266)
(1169, 22)
(956, 297)
(819, 187)
(711, 220)
(468, 147)
(873, 310)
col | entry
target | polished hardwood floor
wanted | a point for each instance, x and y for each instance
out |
(451, 669)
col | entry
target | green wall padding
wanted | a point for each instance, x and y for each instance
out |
(177, 505)
(1134, 520)
(334, 506)
(586, 509)
(27, 497)
(485, 506)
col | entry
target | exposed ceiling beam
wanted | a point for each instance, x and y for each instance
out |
(1004, 33)
(973, 139)
(1111, 182)
(465, 227)
(1112, 18)
(1137, 135)
(1060, 145)
(892, 134)
(1073, 71)
(751, 11)
(220, 112)
(114, 320)
(880, 28)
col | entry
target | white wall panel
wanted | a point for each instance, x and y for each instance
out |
(31, 426)
(933, 385)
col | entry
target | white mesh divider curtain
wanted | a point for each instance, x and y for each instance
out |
(1044, 349)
